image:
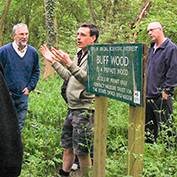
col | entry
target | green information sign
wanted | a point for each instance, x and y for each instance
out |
(115, 71)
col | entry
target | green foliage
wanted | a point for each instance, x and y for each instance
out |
(159, 161)
(163, 11)
(117, 136)
(116, 167)
(117, 127)
(41, 136)
(114, 19)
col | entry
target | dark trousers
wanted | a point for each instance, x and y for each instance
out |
(21, 107)
(158, 118)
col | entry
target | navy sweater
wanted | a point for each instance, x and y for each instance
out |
(162, 69)
(20, 72)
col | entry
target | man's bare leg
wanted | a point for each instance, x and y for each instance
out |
(85, 164)
(68, 159)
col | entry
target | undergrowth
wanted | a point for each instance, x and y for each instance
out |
(41, 137)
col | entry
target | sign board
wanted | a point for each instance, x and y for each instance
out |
(115, 71)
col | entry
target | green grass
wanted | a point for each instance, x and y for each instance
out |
(41, 137)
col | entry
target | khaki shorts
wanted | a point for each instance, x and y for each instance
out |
(77, 131)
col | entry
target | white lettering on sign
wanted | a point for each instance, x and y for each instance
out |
(128, 91)
(131, 48)
(102, 91)
(123, 72)
(102, 79)
(127, 97)
(121, 89)
(105, 49)
(123, 83)
(120, 60)
(95, 89)
(119, 95)
(109, 70)
(117, 48)
(114, 81)
(103, 60)
(111, 93)
(110, 87)
(112, 69)
(98, 84)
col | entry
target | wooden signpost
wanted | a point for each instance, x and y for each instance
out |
(116, 71)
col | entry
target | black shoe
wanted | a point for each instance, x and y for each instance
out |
(63, 173)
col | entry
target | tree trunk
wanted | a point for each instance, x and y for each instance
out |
(51, 34)
(28, 12)
(91, 10)
(139, 17)
(3, 19)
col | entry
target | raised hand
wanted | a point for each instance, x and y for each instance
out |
(46, 53)
(61, 56)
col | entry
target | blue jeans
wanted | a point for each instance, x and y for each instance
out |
(21, 107)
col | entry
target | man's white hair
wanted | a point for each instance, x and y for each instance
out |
(154, 25)
(19, 25)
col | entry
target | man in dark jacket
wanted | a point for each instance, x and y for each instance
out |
(10, 138)
(161, 80)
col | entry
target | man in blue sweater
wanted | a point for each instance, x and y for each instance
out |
(161, 80)
(21, 69)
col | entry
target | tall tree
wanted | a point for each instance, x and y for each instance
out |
(139, 18)
(91, 10)
(3, 19)
(51, 34)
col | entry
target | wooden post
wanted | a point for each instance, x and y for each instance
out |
(136, 141)
(136, 131)
(100, 127)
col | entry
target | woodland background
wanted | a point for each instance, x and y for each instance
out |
(56, 22)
